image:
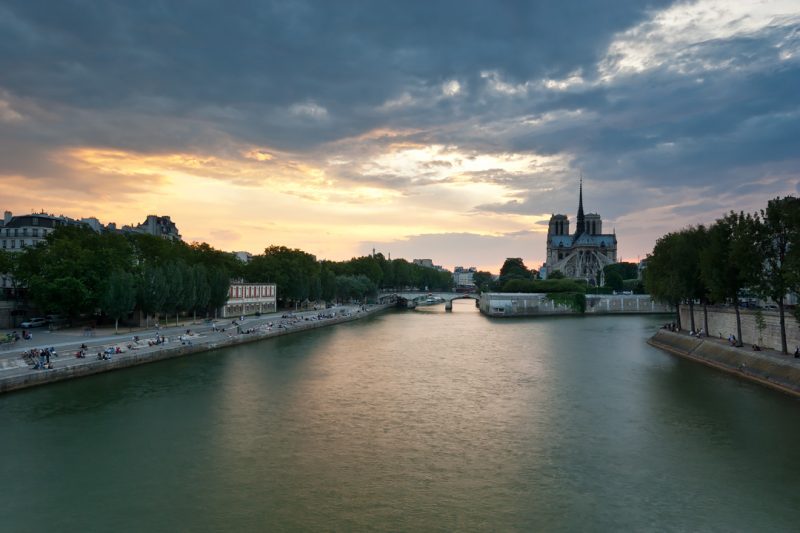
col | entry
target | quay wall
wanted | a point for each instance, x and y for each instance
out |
(770, 369)
(134, 358)
(497, 304)
(722, 321)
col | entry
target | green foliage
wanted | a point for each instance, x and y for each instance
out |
(624, 269)
(514, 269)
(293, 271)
(119, 297)
(556, 274)
(219, 283)
(355, 287)
(482, 280)
(614, 281)
(544, 286)
(574, 300)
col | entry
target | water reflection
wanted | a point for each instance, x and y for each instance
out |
(408, 421)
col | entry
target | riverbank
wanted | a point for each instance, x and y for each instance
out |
(16, 374)
(766, 367)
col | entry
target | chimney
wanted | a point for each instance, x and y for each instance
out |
(7, 216)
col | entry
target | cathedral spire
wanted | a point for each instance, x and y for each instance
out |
(581, 225)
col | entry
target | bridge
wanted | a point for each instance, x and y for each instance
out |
(412, 299)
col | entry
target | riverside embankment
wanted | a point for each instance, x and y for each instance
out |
(16, 374)
(766, 367)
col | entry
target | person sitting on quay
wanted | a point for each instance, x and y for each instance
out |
(797, 352)
(756, 348)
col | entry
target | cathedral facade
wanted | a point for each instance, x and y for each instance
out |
(583, 254)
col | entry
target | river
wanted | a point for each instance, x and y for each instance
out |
(416, 420)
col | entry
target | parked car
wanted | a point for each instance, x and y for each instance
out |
(34, 323)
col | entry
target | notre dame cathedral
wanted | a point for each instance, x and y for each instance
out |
(583, 254)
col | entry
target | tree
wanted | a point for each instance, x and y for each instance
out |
(730, 260)
(201, 287)
(514, 268)
(482, 279)
(219, 283)
(556, 274)
(152, 291)
(119, 296)
(175, 300)
(614, 280)
(663, 277)
(778, 234)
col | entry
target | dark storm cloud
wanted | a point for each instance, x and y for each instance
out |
(718, 115)
(243, 65)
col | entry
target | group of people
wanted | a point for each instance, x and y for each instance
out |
(40, 357)
(700, 333)
(14, 336)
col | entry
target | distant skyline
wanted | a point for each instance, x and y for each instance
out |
(444, 130)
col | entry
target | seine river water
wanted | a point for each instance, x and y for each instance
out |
(408, 421)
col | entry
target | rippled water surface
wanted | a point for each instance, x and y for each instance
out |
(411, 421)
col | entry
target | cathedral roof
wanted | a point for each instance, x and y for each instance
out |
(562, 240)
(585, 239)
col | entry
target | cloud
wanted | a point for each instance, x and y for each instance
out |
(355, 114)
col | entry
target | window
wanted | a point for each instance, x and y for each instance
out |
(35, 222)
(35, 231)
(44, 232)
(16, 232)
(4, 243)
(13, 243)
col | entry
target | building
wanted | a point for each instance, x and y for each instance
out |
(250, 298)
(17, 233)
(462, 277)
(156, 225)
(583, 254)
(22, 231)
(244, 257)
(427, 263)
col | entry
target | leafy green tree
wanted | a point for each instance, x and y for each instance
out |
(327, 284)
(556, 274)
(514, 268)
(219, 283)
(151, 291)
(290, 269)
(624, 269)
(176, 297)
(614, 280)
(119, 296)
(730, 260)
(403, 277)
(6, 263)
(663, 279)
(66, 295)
(778, 233)
(202, 289)
(482, 280)
(81, 259)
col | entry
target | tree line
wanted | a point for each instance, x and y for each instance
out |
(756, 253)
(516, 277)
(78, 272)
(300, 277)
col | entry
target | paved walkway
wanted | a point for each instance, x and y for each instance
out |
(67, 342)
(764, 353)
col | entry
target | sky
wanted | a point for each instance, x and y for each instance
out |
(448, 130)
